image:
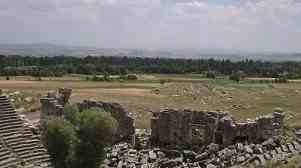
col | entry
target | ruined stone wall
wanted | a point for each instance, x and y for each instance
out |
(171, 127)
(52, 106)
(194, 128)
(125, 129)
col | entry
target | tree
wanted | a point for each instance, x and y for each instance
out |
(97, 78)
(78, 140)
(235, 77)
(106, 76)
(162, 81)
(71, 113)
(60, 138)
(123, 71)
(96, 130)
(281, 79)
(132, 77)
(211, 75)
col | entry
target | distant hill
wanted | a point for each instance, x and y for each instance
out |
(56, 50)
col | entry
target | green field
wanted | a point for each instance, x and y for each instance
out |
(247, 99)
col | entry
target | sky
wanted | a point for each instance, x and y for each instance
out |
(253, 25)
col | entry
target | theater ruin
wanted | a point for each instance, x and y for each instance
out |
(177, 138)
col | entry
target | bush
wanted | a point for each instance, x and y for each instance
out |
(71, 113)
(281, 80)
(162, 81)
(96, 130)
(78, 140)
(211, 75)
(235, 77)
(132, 77)
(60, 138)
(123, 77)
(97, 78)
(106, 76)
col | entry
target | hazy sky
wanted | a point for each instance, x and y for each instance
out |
(238, 24)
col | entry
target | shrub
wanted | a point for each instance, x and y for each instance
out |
(123, 77)
(132, 77)
(162, 81)
(97, 78)
(235, 77)
(71, 113)
(60, 138)
(79, 139)
(96, 130)
(106, 76)
(211, 75)
(281, 80)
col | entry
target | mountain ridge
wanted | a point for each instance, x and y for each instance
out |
(47, 49)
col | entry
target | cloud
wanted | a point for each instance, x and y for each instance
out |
(248, 25)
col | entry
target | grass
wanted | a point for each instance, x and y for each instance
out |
(246, 99)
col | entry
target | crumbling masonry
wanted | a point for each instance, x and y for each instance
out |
(195, 128)
(174, 127)
(53, 104)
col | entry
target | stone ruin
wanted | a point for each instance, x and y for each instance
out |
(192, 139)
(54, 102)
(186, 138)
(174, 128)
(52, 105)
(194, 128)
(125, 129)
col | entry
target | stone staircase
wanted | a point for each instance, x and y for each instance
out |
(19, 147)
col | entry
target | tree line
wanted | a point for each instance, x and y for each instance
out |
(15, 65)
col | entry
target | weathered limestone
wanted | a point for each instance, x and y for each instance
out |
(64, 95)
(214, 155)
(193, 128)
(125, 129)
(53, 104)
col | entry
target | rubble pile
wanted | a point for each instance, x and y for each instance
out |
(124, 155)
